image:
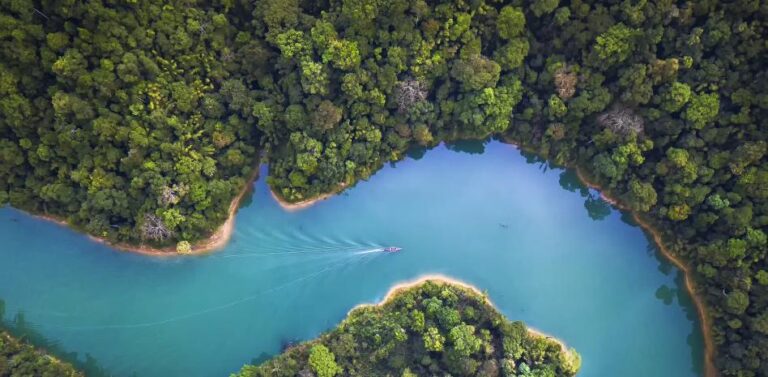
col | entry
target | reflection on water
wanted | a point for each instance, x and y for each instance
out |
(665, 294)
(498, 220)
(467, 146)
(18, 326)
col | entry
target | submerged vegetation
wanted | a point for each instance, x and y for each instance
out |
(19, 359)
(138, 122)
(432, 328)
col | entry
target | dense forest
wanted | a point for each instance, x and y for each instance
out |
(430, 329)
(138, 121)
(20, 359)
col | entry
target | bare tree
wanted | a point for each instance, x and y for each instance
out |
(622, 121)
(153, 228)
(172, 194)
(565, 82)
(168, 196)
(409, 92)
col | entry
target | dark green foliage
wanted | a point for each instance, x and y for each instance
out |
(19, 359)
(409, 336)
(139, 122)
(112, 114)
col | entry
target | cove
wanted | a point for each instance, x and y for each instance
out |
(547, 251)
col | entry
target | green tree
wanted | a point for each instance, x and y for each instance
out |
(736, 302)
(616, 44)
(543, 7)
(702, 109)
(676, 97)
(323, 361)
(464, 340)
(476, 72)
(511, 22)
(433, 340)
(641, 196)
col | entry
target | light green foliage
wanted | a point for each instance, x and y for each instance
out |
(293, 43)
(562, 15)
(512, 55)
(736, 302)
(556, 106)
(616, 44)
(676, 97)
(702, 109)
(103, 105)
(382, 340)
(183, 247)
(323, 362)
(464, 340)
(342, 54)
(314, 77)
(19, 358)
(762, 277)
(433, 340)
(543, 7)
(511, 22)
(496, 108)
(476, 73)
(642, 196)
(679, 212)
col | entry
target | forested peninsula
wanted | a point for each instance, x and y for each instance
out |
(433, 326)
(139, 122)
(20, 359)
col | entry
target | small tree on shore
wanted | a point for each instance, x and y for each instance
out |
(183, 247)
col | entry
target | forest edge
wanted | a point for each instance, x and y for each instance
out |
(439, 279)
(216, 241)
(221, 237)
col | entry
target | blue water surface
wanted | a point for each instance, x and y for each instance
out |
(547, 251)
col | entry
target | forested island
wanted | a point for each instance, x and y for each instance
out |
(20, 359)
(431, 327)
(139, 122)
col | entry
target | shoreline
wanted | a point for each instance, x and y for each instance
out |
(217, 240)
(698, 302)
(706, 328)
(709, 369)
(292, 207)
(221, 236)
(398, 287)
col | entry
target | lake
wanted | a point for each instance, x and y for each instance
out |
(546, 250)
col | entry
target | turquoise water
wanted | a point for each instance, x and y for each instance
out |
(547, 251)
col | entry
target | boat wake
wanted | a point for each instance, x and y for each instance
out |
(289, 251)
(327, 268)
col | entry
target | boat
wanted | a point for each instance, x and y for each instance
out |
(392, 249)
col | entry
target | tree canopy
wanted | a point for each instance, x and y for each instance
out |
(139, 122)
(433, 328)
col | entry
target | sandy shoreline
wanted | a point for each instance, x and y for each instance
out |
(438, 278)
(215, 241)
(291, 207)
(706, 328)
(221, 236)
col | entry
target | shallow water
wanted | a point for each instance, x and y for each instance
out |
(547, 251)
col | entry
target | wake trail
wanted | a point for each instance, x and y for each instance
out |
(313, 245)
(206, 311)
(351, 253)
(285, 248)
